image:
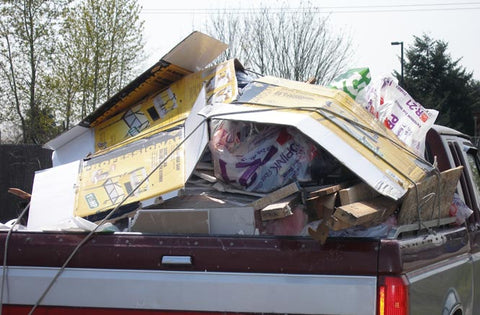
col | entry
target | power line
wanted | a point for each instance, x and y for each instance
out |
(330, 9)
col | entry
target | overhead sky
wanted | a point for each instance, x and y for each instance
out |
(372, 25)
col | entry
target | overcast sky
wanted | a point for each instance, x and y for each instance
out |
(372, 26)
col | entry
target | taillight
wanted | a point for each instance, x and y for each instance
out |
(392, 296)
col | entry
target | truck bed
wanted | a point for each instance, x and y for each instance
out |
(133, 271)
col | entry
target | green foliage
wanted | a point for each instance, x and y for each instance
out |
(101, 44)
(437, 81)
(27, 45)
(41, 125)
(59, 59)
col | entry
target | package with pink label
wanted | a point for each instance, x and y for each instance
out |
(259, 158)
(399, 112)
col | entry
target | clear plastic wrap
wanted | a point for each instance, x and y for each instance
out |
(260, 158)
(399, 112)
(459, 210)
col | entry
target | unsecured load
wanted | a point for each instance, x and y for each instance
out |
(216, 151)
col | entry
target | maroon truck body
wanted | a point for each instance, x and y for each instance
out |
(439, 268)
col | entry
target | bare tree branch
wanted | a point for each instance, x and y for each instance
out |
(294, 44)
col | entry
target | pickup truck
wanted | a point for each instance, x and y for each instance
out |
(432, 268)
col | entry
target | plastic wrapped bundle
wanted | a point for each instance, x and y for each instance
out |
(260, 158)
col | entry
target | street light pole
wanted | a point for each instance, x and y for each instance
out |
(401, 57)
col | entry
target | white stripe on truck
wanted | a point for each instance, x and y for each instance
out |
(194, 291)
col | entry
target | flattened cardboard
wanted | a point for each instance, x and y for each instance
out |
(167, 108)
(104, 181)
(428, 192)
(232, 221)
(53, 196)
(227, 221)
(336, 123)
(203, 47)
(193, 201)
(170, 68)
(107, 180)
(72, 145)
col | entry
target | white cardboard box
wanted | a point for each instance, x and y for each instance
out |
(227, 221)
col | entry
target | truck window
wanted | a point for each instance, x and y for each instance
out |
(456, 152)
(473, 162)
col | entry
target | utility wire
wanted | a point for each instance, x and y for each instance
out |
(329, 9)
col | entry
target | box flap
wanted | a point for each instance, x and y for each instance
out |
(203, 47)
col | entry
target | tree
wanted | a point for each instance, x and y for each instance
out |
(293, 43)
(59, 59)
(437, 81)
(27, 32)
(101, 45)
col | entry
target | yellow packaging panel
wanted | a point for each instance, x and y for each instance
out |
(106, 180)
(170, 106)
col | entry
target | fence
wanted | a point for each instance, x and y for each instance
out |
(18, 166)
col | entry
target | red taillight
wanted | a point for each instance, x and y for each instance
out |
(392, 296)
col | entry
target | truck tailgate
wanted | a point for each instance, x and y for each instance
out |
(228, 274)
(194, 290)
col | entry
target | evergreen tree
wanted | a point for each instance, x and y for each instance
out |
(437, 81)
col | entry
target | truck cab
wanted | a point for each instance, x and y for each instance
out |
(450, 148)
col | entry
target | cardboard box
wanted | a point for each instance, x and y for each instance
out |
(281, 209)
(231, 221)
(227, 221)
(177, 221)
